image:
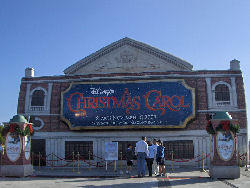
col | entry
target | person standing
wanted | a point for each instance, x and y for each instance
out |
(1, 151)
(141, 151)
(150, 159)
(155, 167)
(129, 158)
(160, 158)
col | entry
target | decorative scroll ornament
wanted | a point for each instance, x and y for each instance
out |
(126, 57)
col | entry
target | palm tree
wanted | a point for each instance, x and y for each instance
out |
(2, 138)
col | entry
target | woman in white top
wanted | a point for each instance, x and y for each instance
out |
(155, 165)
(150, 157)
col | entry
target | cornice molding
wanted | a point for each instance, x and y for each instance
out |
(66, 79)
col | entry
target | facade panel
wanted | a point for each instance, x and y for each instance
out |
(181, 101)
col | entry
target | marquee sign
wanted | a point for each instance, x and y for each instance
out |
(138, 104)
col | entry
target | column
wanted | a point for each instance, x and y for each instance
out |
(27, 98)
(209, 92)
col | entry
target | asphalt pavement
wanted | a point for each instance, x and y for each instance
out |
(95, 178)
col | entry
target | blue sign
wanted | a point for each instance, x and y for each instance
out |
(138, 104)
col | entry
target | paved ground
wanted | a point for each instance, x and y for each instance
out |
(67, 178)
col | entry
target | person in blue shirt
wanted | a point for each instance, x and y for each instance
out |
(160, 158)
(150, 157)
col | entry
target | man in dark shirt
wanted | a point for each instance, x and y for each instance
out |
(129, 158)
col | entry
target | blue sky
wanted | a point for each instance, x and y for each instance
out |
(51, 35)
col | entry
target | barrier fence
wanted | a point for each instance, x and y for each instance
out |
(52, 161)
(77, 161)
(243, 157)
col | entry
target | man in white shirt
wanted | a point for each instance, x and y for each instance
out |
(155, 166)
(141, 151)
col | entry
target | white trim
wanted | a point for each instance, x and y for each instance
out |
(50, 85)
(133, 77)
(38, 88)
(209, 92)
(131, 135)
(122, 134)
(234, 92)
(27, 98)
(38, 114)
(222, 109)
(200, 111)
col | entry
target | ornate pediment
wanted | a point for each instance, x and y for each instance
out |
(128, 56)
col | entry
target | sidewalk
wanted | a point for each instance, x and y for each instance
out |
(98, 177)
(101, 172)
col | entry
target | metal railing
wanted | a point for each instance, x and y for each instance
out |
(37, 108)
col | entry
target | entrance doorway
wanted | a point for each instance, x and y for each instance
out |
(38, 145)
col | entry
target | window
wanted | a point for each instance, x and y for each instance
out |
(37, 98)
(222, 93)
(183, 149)
(83, 147)
(122, 147)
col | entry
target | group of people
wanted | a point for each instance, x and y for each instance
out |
(151, 152)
